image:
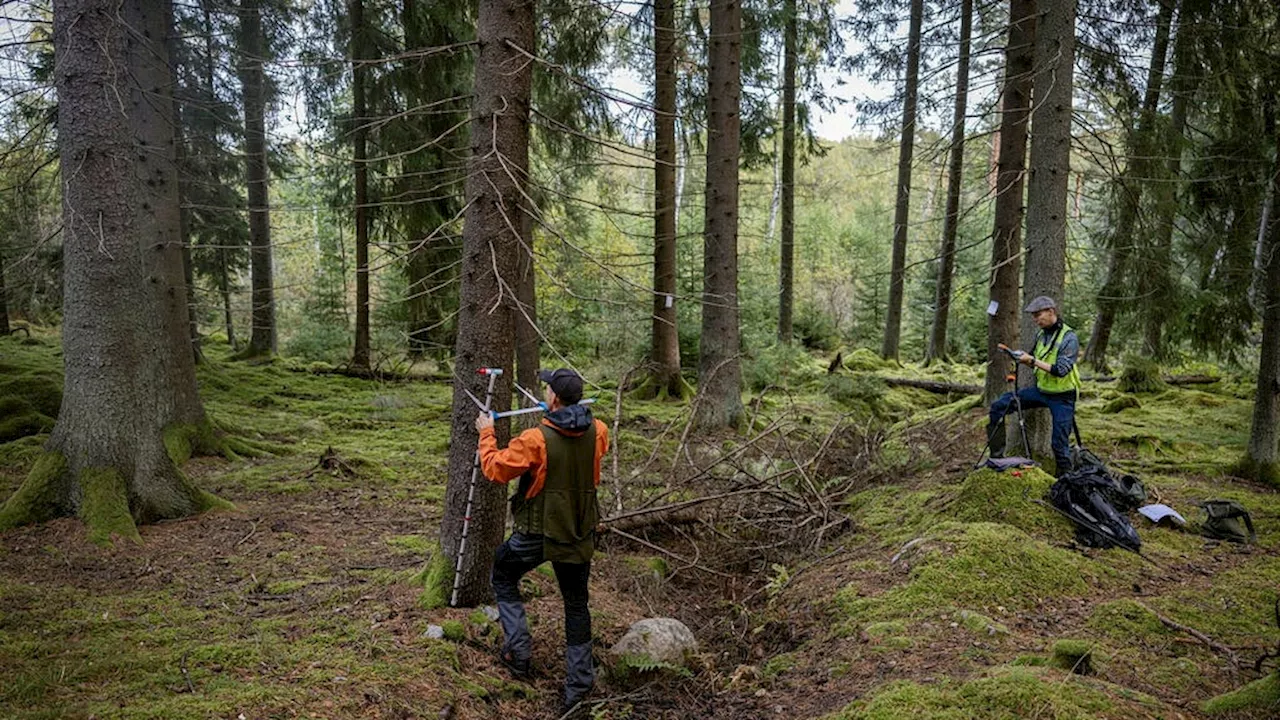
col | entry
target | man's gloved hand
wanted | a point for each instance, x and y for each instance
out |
(483, 421)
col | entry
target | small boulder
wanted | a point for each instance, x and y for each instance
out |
(661, 640)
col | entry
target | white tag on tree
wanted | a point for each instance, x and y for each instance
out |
(993, 308)
(671, 299)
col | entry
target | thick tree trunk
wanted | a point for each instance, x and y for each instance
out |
(901, 211)
(1003, 311)
(528, 347)
(1260, 457)
(262, 339)
(1049, 170)
(360, 135)
(786, 265)
(664, 350)
(955, 177)
(1156, 281)
(499, 164)
(719, 371)
(1137, 168)
(129, 374)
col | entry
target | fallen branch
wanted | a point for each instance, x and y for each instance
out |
(1208, 641)
(934, 386)
(670, 554)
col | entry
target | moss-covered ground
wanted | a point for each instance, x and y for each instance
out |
(950, 595)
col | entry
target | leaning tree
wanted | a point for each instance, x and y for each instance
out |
(130, 409)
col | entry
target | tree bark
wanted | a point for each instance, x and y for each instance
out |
(1260, 457)
(786, 265)
(262, 339)
(901, 212)
(719, 372)
(4, 300)
(1006, 258)
(528, 347)
(1049, 170)
(129, 373)
(359, 136)
(955, 178)
(1137, 169)
(497, 170)
(664, 351)
(184, 222)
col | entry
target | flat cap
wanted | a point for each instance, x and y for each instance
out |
(1044, 302)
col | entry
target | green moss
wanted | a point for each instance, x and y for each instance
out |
(890, 634)
(1124, 622)
(864, 360)
(894, 513)
(436, 580)
(105, 507)
(36, 500)
(1010, 693)
(1264, 472)
(777, 665)
(1077, 656)
(980, 624)
(988, 495)
(1124, 402)
(419, 545)
(978, 565)
(454, 630)
(1141, 375)
(1261, 694)
(21, 419)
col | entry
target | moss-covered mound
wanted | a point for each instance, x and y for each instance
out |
(29, 402)
(978, 565)
(1007, 497)
(1262, 695)
(1010, 693)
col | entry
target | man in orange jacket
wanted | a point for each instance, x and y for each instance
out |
(555, 515)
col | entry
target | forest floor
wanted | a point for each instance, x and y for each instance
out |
(944, 597)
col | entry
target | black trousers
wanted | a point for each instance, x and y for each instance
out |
(522, 553)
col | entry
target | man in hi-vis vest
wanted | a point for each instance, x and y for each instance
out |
(1057, 382)
(555, 515)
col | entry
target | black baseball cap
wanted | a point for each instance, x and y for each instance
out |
(565, 383)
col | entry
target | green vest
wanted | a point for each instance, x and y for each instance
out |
(565, 513)
(1047, 350)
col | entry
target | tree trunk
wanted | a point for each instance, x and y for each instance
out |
(955, 177)
(360, 134)
(664, 351)
(786, 265)
(719, 372)
(1002, 324)
(1156, 284)
(901, 211)
(129, 373)
(1260, 457)
(4, 302)
(224, 288)
(528, 350)
(262, 339)
(1049, 170)
(498, 167)
(184, 220)
(1137, 168)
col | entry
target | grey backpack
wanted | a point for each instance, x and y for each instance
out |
(1227, 520)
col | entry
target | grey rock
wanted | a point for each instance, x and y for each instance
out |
(660, 639)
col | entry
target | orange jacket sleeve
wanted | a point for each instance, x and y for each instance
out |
(526, 451)
(602, 446)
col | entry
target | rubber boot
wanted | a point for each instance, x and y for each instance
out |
(517, 644)
(579, 675)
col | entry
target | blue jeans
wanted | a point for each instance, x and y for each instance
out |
(1062, 406)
